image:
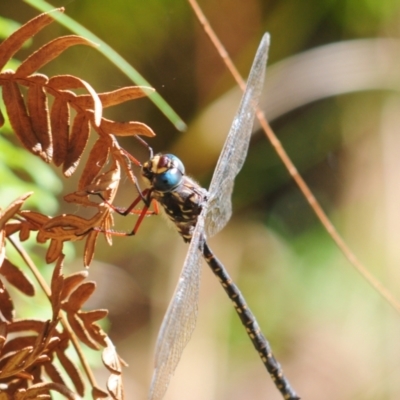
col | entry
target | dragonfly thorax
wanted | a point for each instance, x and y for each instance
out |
(181, 197)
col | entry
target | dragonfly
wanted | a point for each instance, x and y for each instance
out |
(198, 214)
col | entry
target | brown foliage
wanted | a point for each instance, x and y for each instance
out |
(59, 134)
(26, 359)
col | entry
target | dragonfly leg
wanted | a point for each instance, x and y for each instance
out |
(144, 196)
(143, 214)
(131, 209)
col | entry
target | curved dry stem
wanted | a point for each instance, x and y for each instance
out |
(305, 190)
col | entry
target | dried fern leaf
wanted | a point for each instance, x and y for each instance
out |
(108, 224)
(126, 128)
(90, 246)
(48, 52)
(110, 358)
(25, 231)
(35, 79)
(72, 372)
(17, 343)
(42, 237)
(35, 219)
(96, 161)
(95, 332)
(12, 227)
(80, 331)
(81, 198)
(15, 41)
(80, 295)
(56, 286)
(59, 120)
(73, 223)
(115, 387)
(12, 209)
(54, 250)
(63, 82)
(77, 143)
(107, 181)
(26, 325)
(92, 316)
(115, 97)
(19, 118)
(16, 362)
(42, 389)
(41, 340)
(53, 373)
(97, 393)
(71, 282)
(17, 278)
(39, 114)
(6, 303)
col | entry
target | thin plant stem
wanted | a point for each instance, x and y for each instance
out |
(316, 207)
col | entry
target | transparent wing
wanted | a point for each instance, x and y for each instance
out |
(236, 145)
(180, 319)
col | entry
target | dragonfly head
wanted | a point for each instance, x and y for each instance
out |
(164, 172)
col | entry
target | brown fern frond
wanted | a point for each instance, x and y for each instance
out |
(37, 105)
(126, 128)
(79, 296)
(97, 159)
(6, 303)
(115, 386)
(53, 372)
(105, 182)
(49, 52)
(111, 359)
(97, 393)
(12, 209)
(71, 369)
(15, 41)
(78, 328)
(90, 246)
(70, 282)
(65, 82)
(17, 278)
(112, 362)
(18, 114)
(27, 358)
(29, 347)
(60, 123)
(52, 136)
(42, 391)
(83, 322)
(115, 97)
(77, 143)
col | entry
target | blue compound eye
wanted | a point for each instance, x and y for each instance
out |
(167, 180)
(173, 172)
(171, 161)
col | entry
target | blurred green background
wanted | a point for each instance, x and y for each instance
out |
(332, 97)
